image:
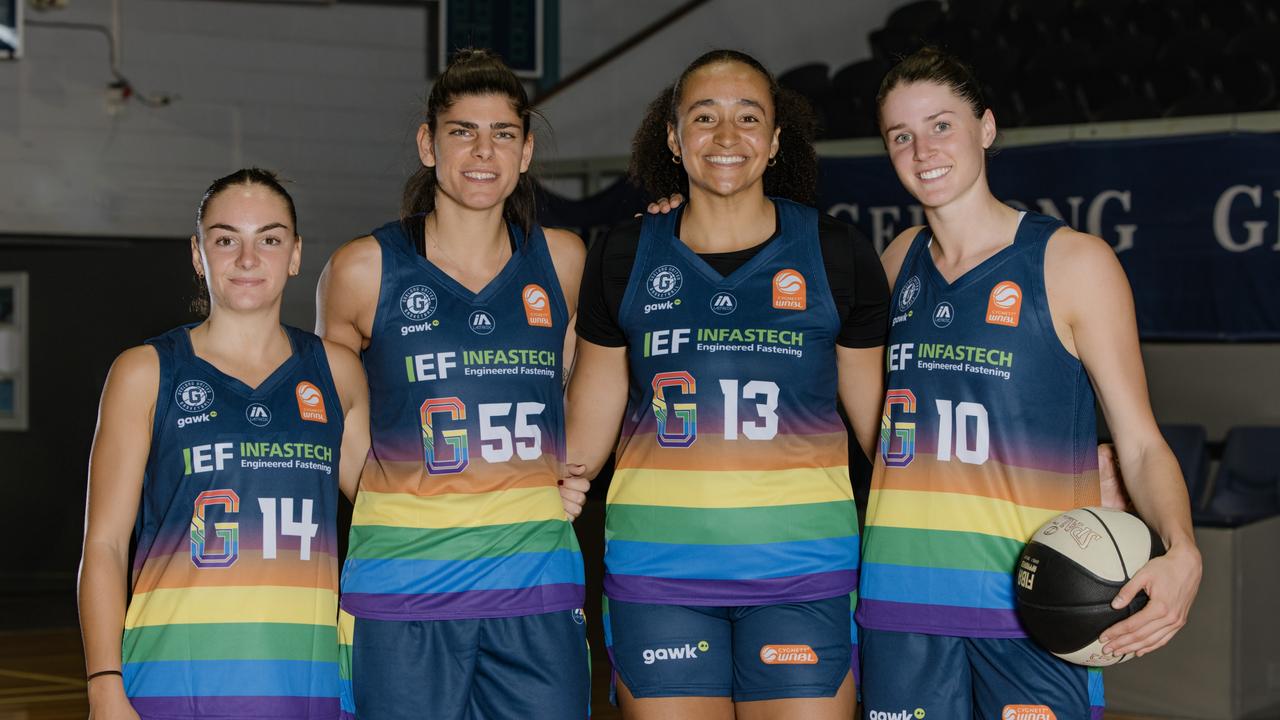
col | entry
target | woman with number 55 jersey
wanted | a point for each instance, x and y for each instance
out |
(463, 586)
(222, 446)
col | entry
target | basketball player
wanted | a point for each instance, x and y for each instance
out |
(1003, 325)
(738, 324)
(223, 445)
(464, 575)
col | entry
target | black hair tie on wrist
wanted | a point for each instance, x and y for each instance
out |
(100, 673)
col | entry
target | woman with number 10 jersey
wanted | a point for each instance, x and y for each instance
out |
(722, 338)
(222, 445)
(463, 585)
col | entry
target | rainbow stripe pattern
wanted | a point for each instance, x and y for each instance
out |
(988, 432)
(458, 514)
(731, 484)
(235, 581)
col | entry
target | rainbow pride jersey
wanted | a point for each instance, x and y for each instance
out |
(988, 431)
(732, 483)
(458, 514)
(235, 581)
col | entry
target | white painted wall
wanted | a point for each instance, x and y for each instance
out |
(329, 95)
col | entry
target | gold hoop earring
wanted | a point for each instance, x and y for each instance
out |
(675, 159)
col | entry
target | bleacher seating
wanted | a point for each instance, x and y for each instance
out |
(1053, 62)
(1246, 487)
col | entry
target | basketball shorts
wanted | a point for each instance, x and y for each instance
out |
(939, 677)
(763, 652)
(533, 667)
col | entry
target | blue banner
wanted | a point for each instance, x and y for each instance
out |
(1195, 220)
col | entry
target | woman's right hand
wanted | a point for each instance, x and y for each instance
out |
(107, 700)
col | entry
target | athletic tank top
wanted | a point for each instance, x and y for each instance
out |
(732, 484)
(988, 432)
(458, 514)
(235, 581)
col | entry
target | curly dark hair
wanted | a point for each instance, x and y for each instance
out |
(795, 174)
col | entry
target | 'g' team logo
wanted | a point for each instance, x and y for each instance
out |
(943, 314)
(481, 322)
(258, 415)
(311, 403)
(1005, 304)
(723, 303)
(537, 305)
(1027, 712)
(664, 281)
(789, 290)
(788, 655)
(910, 292)
(193, 395)
(418, 303)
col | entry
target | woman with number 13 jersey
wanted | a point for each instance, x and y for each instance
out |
(463, 576)
(722, 338)
(227, 441)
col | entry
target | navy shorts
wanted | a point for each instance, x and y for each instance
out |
(939, 677)
(533, 667)
(761, 652)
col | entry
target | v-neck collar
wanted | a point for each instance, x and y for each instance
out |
(236, 384)
(982, 269)
(509, 269)
(770, 248)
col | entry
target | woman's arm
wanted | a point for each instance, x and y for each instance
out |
(1093, 311)
(594, 407)
(117, 462)
(861, 378)
(353, 389)
(347, 295)
(568, 254)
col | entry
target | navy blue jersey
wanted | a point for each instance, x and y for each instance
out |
(235, 581)
(732, 480)
(458, 514)
(988, 432)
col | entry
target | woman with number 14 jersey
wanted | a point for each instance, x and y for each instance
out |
(222, 445)
(463, 585)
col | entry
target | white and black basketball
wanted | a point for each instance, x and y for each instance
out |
(1071, 570)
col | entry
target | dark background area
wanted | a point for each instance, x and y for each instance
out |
(89, 300)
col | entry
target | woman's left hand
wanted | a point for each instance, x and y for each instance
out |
(1171, 582)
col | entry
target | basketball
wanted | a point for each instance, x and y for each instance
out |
(1069, 573)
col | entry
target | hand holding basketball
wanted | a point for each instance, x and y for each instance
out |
(1171, 582)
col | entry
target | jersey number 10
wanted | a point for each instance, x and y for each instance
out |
(954, 437)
